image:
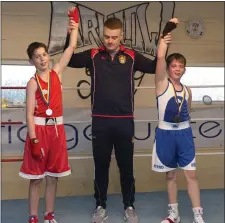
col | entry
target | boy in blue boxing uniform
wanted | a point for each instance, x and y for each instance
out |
(174, 144)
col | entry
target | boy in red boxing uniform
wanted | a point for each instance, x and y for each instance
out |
(45, 153)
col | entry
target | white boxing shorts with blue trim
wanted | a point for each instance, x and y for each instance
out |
(173, 147)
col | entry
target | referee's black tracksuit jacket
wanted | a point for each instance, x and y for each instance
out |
(112, 99)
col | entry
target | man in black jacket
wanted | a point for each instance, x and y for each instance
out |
(112, 68)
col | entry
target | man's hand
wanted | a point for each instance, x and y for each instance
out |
(73, 15)
(167, 39)
(71, 26)
(36, 150)
(170, 25)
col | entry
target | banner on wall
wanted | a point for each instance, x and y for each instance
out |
(142, 24)
(208, 133)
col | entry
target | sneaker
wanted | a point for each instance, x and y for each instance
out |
(130, 215)
(33, 219)
(100, 215)
(49, 218)
(198, 212)
(173, 216)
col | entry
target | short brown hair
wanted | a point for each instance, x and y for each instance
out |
(33, 46)
(175, 56)
(113, 23)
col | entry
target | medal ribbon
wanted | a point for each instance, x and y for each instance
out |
(47, 98)
(176, 98)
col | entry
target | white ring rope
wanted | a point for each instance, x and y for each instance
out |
(136, 121)
(149, 87)
(87, 88)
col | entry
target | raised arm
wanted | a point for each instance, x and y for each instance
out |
(161, 81)
(78, 60)
(144, 64)
(66, 56)
(160, 74)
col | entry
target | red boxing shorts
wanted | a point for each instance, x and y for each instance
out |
(51, 135)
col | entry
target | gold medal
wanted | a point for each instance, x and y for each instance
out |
(176, 119)
(122, 59)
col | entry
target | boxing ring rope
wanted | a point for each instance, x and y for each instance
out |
(12, 160)
(86, 88)
(9, 160)
(89, 121)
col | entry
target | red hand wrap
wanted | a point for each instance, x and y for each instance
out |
(36, 149)
(75, 15)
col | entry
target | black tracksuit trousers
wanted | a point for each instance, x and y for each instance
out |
(117, 133)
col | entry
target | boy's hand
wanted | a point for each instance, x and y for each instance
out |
(36, 150)
(170, 25)
(73, 15)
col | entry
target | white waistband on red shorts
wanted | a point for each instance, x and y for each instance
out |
(48, 121)
(173, 126)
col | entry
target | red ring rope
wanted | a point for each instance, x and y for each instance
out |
(10, 160)
(13, 87)
(12, 123)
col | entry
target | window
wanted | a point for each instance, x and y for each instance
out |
(209, 79)
(15, 74)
